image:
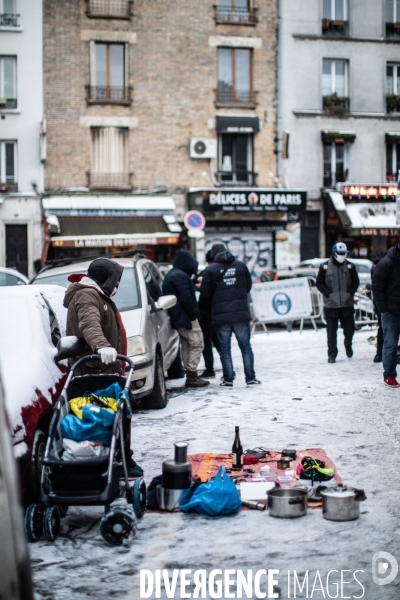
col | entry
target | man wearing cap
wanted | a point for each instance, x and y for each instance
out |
(338, 282)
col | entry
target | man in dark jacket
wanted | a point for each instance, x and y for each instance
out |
(227, 283)
(209, 333)
(386, 294)
(184, 315)
(379, 337)
(338, 282)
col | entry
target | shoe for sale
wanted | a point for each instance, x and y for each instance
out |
(315, 470)
(391, 381)
(208, 374)
(331, 359)
(349, 352)
(253, 383)
(225, 383)
(378, 358)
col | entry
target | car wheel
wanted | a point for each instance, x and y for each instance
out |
(176, 371)
(158, 397)
(38, 451)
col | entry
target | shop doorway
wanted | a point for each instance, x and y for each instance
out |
(17, 248)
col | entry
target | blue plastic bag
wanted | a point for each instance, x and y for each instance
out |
(95, 426)
(112, 391)
(217, 497)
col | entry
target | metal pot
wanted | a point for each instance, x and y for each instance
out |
(341, 503)
(287, 503)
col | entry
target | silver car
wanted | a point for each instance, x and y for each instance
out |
(152, 343)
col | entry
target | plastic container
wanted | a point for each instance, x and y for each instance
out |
(270, 475)
(285, 480)
(289, 472)
(265, 470)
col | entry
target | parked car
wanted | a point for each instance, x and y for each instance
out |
(32, 320)
(164, 268)
(15, 571)
(152, 343)
(363, 267)
(270, 275)
(12, 277)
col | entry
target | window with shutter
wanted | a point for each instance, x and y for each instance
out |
(109, 159)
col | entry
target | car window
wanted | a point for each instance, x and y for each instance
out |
(9, 279)
(156, 274)
(55, 330)
(127, 297)
(153, 289)
(362, 269)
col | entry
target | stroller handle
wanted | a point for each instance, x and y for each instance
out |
(97, 357)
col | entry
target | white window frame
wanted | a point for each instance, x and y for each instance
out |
(346, 159)
(396, 77)
(333, 7)
(333, 61)
(394, 145)
(2, 56)
(3, 161)
(395, 16)
(2, 8)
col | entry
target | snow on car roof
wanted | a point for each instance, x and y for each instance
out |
(80, 267)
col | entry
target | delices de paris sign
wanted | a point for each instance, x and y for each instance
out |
(285, 300)
(258, 200)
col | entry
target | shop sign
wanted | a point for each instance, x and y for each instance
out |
(113, 242)
(369, 192)
(379, 232)
(259, 200)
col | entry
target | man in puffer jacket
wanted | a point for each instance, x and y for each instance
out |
(184, 315)
(227, 283)
(338, 281)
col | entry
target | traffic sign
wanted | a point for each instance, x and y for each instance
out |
(194, 220)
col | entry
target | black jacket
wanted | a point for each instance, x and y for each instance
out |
(178, 282)
(338, 282)
(386, 283)
(228, 293)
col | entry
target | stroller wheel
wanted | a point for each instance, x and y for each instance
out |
(139, 497)
(51, 522)
(34, 522)
(117, 525)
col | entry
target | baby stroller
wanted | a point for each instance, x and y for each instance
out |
(98, 481)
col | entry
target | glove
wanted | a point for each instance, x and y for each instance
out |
(108, 355)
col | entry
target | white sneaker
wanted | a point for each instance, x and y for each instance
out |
(253, 383)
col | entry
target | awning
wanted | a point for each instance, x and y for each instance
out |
(362, 218)
(393, 136)
(340, 208)
(338, 136)
(237, 124)
(108, 205)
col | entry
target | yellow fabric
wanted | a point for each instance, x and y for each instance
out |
(76, 404)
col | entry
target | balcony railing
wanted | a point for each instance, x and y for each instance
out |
(109, 181)
(393, 103)
(393, 30)
(240, 98)
(235, 16)
(106, 9)
(336, 28)
(236, 177)
(331, 178)
(8, 20)
(337, 106)
(8, 103)
(108, 94)
(10, 186)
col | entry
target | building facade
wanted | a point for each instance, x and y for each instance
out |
(340, 105)
(171, 98)
(22, 134)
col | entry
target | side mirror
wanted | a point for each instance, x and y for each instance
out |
(70, 346)
(165, 302)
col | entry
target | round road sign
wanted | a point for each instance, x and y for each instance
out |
(194, 220)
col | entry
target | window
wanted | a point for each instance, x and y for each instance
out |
(109, 160)
(8, 18)
(334, 17)
(116, 9)
(236, 159)
(8, 82)
(235, 11)
(8, 164)
(334, 87)
(234, 77)
(392, 88)
(392, 18)
(108, 74)
(336, 159)
(152, 287)
(392, 160)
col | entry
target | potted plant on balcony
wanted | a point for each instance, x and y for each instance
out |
(392, 103)
(336, 105)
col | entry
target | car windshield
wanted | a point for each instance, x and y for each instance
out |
(10, 279)
(127, 297)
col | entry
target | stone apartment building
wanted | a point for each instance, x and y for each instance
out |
(153, 107)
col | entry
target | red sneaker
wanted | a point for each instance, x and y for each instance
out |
(391, 381)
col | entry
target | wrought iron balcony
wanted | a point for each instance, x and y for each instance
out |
(335, 28)
(109, 94)
(10, 186)
(393, 103)
(235, 16)
(8, 103)
(109, 181)
(238, 178)
(109, 9)
(231, 98)
(336, 106)
(393, 30)
(8, 20)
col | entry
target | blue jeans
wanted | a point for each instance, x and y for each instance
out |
(391, 332)
(242, 333)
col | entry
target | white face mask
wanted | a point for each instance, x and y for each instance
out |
(340, 257)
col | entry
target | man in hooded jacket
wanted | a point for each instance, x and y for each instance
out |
(227, 283)
(184, 315)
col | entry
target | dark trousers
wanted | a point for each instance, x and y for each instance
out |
(391, 333)
(210, 339)
(379, 337)
(346, 317)
(242, 333)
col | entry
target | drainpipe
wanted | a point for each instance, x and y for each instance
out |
(279, 97)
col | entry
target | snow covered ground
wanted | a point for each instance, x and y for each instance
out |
(303, 402)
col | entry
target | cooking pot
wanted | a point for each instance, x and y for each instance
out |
(341, 503)
(287, 503)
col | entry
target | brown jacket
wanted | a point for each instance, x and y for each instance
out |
(93, 316)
